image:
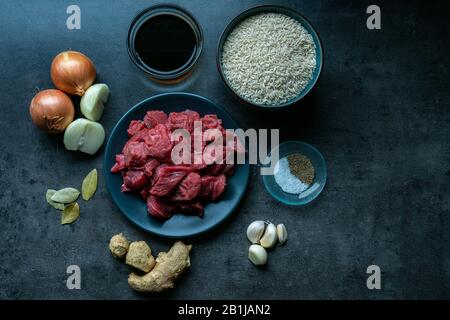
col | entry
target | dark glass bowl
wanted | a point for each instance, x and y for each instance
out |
(163, 9)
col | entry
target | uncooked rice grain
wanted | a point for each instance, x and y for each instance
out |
(269, 58)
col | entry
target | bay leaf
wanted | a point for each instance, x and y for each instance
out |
(66, 195)
(71, 213)
(89, 185)
(56, 205)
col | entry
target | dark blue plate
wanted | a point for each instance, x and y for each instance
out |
(134, 207)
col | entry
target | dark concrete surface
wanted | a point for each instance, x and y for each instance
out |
(380, 115)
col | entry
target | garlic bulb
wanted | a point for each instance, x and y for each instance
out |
(257, 255)
(255, 231)
(269, 237)
(281, 233)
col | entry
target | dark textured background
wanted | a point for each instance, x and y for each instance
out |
(380, 115)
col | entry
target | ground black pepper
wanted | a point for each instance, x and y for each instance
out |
(301, 167)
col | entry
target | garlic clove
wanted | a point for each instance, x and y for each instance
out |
(257, 255)
(269, 237)
(84, 135)
(282, 233)
(93, 100)
(255, 231)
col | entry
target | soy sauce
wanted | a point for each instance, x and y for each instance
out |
(165, 43)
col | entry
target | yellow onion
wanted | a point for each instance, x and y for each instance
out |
(72, 72)
(52, 110)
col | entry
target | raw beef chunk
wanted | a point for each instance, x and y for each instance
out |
(135, 180)
(210, 121)
(158, 142)
(188, 189)
(191, 207)
(182, 120)
(145, 192)
(156, 172)
(137, 137)
(134, 127)
(135, 154)
(150, 167)
(124, 188)
(168, 179)
(154, 117)
(158, 208)
(120, 163)
(213, 187)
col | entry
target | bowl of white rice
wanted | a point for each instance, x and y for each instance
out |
(270, 57)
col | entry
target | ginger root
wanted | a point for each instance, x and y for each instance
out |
(118, 245)
(140, 256)
(169, 266)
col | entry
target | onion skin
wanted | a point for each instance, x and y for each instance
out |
(52, 111)
(72, 72)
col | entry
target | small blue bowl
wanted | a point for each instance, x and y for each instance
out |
(294, 15)
(320, 176)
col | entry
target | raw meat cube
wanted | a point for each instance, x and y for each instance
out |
(168, 179)
(134, 127)
(145, 192)
(210, 121)
(135, 154)
(135, 180)
(192, 115)
(138, 137)
(182, 120)
(178, 120)
(150, 167)
(199, 166)
(120, 163)
(188, 189)
(158, 142)
(158, 208)
(191, 207)
(157, 171)
(154, 117)
(124, 188)
(213, 187)
(211, 156)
